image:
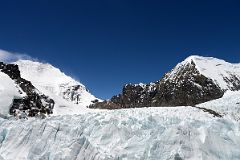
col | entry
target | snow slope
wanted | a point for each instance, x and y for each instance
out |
(228, 105)
(220, 71)
(8, 92)
(70, 96)
(146, 133)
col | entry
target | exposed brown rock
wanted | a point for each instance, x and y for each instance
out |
(34, 103)
(184, 87)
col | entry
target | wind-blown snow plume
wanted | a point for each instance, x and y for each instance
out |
(6, 56)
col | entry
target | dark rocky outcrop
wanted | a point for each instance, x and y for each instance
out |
(182, 86)
(33, 102)
(72, 93)
(234, 81)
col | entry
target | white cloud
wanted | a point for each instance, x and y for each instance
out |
(6, 56)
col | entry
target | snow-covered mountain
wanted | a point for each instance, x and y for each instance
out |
(44, 89)
(226, 75)
(70, 96)
(46, 77)
(195, 80)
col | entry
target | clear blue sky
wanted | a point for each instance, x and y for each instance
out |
(107, 43)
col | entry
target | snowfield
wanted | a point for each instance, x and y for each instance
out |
(146, 133)
(8, 92)
(228, 105)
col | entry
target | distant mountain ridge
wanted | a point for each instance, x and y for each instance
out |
(195, 80)
(47, 90)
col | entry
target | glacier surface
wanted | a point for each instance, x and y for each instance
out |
(145, 133)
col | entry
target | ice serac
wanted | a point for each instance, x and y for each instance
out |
(195, 80)
(54, 83)
(174, 133)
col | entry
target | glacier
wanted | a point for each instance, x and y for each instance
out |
(145, 133)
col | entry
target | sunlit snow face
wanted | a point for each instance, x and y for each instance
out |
(1, 89)
(40, 69)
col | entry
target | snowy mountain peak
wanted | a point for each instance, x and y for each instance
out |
(46, 71)
(225, 74)
(200, 60)
(53, 82)
(195, 80)
(192, 58)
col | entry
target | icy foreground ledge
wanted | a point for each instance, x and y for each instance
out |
(146, 133)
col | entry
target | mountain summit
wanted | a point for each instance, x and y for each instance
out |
(44, 89)
(51, 80)
(225, 74)
(70, 96)
(195, 80)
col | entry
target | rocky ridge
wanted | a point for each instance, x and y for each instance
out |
(33, 103)
(195, 80)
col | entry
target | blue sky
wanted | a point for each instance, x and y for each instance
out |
(107, 43)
